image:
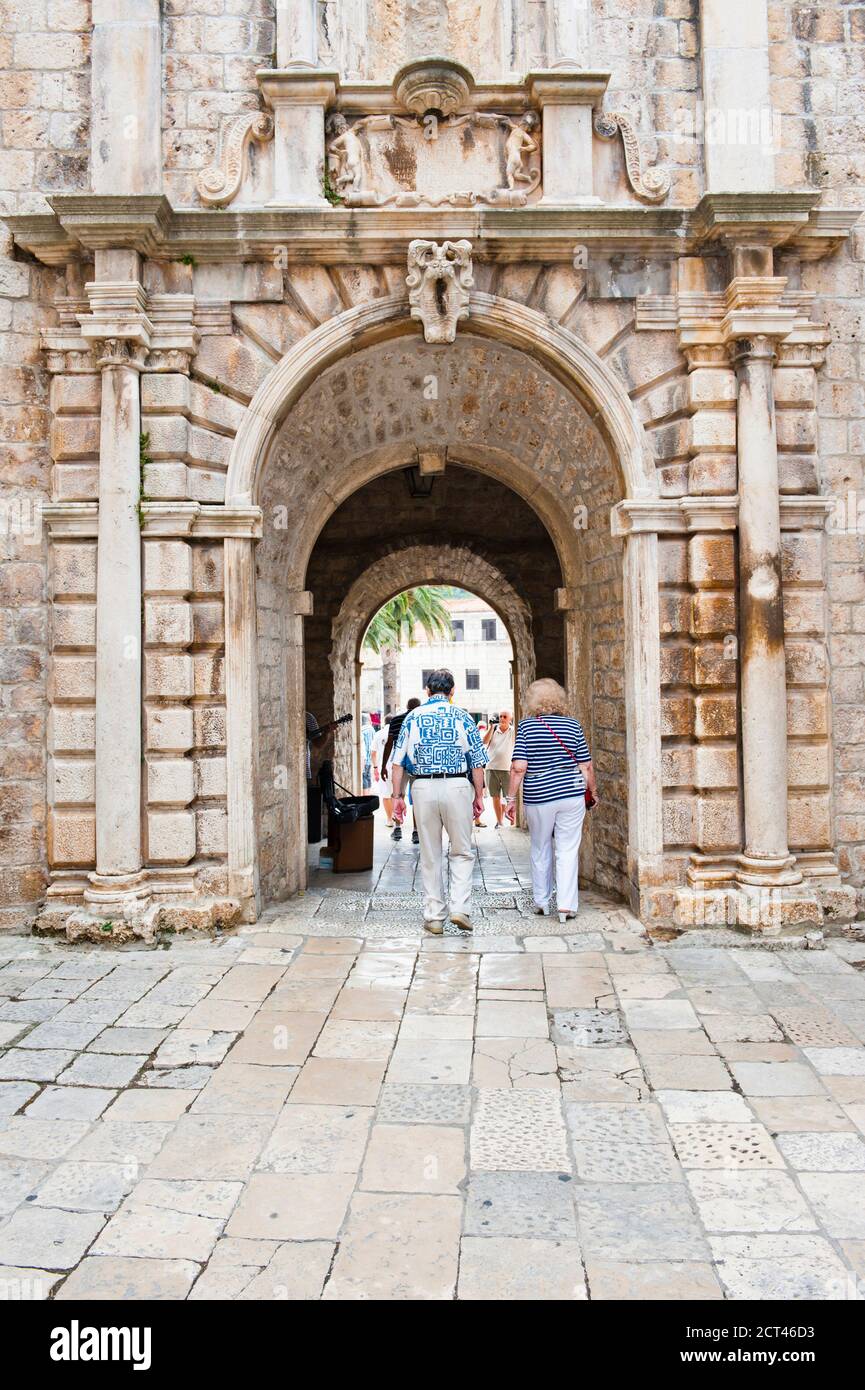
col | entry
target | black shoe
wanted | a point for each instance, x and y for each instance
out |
(415, 838)
(396, 833)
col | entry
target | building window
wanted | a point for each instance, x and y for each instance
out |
(459, 628)
(473, 680)
(488, 629)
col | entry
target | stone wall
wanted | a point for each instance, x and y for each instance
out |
(817, 59)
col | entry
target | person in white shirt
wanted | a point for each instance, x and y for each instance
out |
(499, 743)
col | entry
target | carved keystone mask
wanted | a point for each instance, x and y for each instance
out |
(439, 280)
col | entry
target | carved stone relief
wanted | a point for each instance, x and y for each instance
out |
(439, 280)
(435, 161)
(652, 185)
(219, 183)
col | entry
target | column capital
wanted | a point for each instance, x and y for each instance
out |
(118, 319)
(759, 347)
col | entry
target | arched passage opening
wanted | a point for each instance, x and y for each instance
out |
(513, 404)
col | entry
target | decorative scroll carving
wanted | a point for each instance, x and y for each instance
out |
(439, 279)
(408, 162)
(652, 185)
(219, 183)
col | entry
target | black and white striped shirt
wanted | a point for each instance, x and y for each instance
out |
(552, 773)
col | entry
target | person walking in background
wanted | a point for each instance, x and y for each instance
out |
(552, 763)
(394, 724)
(499, 743)
(438, 744)
(367, 734)
(381, 784)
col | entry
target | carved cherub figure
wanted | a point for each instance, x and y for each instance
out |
(347, 153)
(519, 146)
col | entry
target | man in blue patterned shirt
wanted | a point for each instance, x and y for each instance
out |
(439, 746)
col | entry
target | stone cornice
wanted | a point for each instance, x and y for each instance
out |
(671, 515)
(81, 223)
(71, 518)
(674, 515)
(200, 520)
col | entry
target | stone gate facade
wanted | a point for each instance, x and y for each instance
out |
(566, 292)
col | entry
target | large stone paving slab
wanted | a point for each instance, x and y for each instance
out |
(324, 1104)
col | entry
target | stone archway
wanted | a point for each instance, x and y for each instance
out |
(297, 455)
(420, 564)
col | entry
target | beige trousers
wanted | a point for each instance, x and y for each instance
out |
(444, 803)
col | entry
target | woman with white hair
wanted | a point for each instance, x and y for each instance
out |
(552, 763)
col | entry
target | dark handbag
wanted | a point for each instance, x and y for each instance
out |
(590, 800)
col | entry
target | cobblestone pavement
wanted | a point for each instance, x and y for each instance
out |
(326, 1105)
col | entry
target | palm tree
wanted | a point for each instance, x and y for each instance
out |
(394, 625)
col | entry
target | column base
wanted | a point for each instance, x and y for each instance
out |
(776, 872)
(117, 895)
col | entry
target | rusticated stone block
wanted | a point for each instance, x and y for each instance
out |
(212, 832)
(679, 820)
(677, 716)
(75, 483)
(74, 677)
(713, 613)
(167, 623)
(211, 777)
(213, 409)
(672, 561)
(167, 567)
(804, 611)
(712, 387)
(165, 393)
(801, 558)
(797, 430)
(170, 781)
(168, 436)
(797, 474)
(807, 712)
(677, 766)
(808, 766)
(806, 663)
(209, 721)
(715, 716)
(74, 571)
(76, 394)
(74, 437)
(714, 664)
(170, 837)
(809, 822)
(795, 386)
(677, 664)
(74, 730)
(71, 838)
(204, 485)
(166, 482)
(675, 613)
(168, 675)
(711, 560)
(712, 475)
(718, 823)
(209, 674)
(209, 448)
(208, 568)
(715, 766)
(75, 625)
(208, 624)
(711, 430)
(73, 781)
(168, 730)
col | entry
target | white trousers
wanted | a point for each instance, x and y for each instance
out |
(444, 803)
(559, 824)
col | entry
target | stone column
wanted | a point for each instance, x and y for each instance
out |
(763, 683)
(299, 98)
(296, 33)
(118, 628)
(241, 696)
(740, 153)
(126, 95)
(120, 331)
(566, 100)
(643, 709)
(567, 33)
